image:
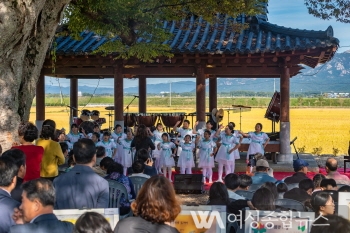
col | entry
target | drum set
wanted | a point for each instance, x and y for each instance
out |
(88, 119)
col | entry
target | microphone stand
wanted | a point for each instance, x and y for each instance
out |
(127, 109)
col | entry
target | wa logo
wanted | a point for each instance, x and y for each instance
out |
(206, 219)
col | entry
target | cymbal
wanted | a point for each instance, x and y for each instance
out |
(109, 108)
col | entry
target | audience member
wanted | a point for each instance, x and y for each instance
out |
(218, 194)
(53, 155)
(65, 151)
(261, 176)
(82, 187)
(301, 194)
(322, 203)
(19, 159)
(36, 211)
(100, 154)
(272, 187)
(27, 133)
(105, 163)
(115, 172)
(330, 224)
(328, 184)
(149, 165)
(345, 188)
(263, 199)
(317, 182)
(300, 168)
(232, 182)
(154, 209)
(8, 173)
(246, 182)
(71, 163)
(281, 188)
(0, 150)
(139, 167)
(92, 222)
(332, 173)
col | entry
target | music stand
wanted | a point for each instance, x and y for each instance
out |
(241, 109)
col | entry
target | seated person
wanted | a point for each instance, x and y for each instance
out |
(345, 188)
(300, 168)
(254, 159)
(154, 209)
(322, 203)
(332, 173)
(263, 199)
(246, 182)
(329, 184)
(272, 187)
(92, 222)
(317, 182)
(105, 163)
(100, 154)
(232, 182)
(8, 177)
(330, 224)
(19, 158)
(138, 167)
(303, 193)
(281, 188)
(36, 212)
(261, 176)
(143, 155)
(115, 172)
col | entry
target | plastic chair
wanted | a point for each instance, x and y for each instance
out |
(247, 194)
(116, 190)
(137, 181)
(292, 186)
(254, 187)
(289, 204)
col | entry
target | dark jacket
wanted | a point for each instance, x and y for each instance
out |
(140, 225)
(297, 194)
(46, 223)
(145, 143)
(17, 191)
(296, 178)
(7, 205)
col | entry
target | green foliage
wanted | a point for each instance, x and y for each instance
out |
(338, 9)
(301, 149)
(317, 151)
(125, 21)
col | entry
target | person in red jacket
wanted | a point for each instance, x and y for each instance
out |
(27, 133)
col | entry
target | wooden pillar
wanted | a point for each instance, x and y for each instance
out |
(40, 102)
(285, 150)
(213, 93)
(73, 99)
(200, 97)
(118, 96)
(142, 94)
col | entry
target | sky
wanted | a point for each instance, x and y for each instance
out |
(288, 13)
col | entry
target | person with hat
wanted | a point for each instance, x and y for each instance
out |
(300, 168)
(261, 175)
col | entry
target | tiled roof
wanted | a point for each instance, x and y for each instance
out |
(198, 36)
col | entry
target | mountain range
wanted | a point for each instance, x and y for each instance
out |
(333, 76)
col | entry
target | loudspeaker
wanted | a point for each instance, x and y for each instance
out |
(188, 183)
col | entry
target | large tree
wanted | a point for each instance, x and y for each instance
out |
(28, 28)
(329, 9)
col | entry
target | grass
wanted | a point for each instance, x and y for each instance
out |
(328, 128)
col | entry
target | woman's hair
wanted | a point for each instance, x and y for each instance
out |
(115, 167)
(165, 134)
(141, 133)
(319, 199)
(281, 186)
(187, 135)
(272, 187)
(29, 131)
(92, 222)
(218, 191)
(317, 180)
(207, 131)
(48, 129)
(330, 224)
(156, 201)
(232, 124)
(344, 188)
(263, 199)
(74, 126)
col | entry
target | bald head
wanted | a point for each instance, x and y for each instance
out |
(332, 164)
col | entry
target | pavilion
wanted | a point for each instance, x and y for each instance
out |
(201, 50)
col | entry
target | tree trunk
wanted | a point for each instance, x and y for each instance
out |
(27, 28)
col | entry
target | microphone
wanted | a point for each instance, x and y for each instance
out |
(72, 107)
(136, 96)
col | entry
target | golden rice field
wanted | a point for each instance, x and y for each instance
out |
(315, 127)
